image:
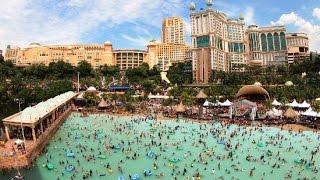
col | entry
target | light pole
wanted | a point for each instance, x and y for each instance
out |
(78, 82)
(20, 101)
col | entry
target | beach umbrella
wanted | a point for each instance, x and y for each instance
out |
(180, 108)
(290, 113)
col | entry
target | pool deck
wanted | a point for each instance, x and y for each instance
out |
(9, 159)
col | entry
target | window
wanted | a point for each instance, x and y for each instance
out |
(270, 42)
(264, 42)
(283, 41)
(276, 42)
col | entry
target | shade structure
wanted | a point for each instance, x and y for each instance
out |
(294, 104)
(249, 91)
(304, 104)
(158, 96)
(103, 104)
(291, 114)
(180, 108)
(35, 113)
(276, 103)
(289, 83)
(275, 112)
(201, 95)
(227, 103)
(310, 113)
(92, 89)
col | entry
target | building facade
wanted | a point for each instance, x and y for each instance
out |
(266, 45)
(298, 47)
(163, 55)
(130, 58)
(173, 31)
(97, 55)
(217, 38)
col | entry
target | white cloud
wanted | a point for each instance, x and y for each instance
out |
(302, 25)
(137, 40)
(249, 16)
(316, 13)
(67, 21)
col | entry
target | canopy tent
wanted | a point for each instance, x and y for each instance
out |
(304, 105)
(310, 113)
(207, 103)
(294, 104)
(318, 99)
(276, 103)
(158, 96)
(290, 113)
(92, 89)
(227, 103)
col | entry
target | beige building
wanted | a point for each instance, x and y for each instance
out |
(266, 45)
(173, 31)
(298, 47)
(163, 55)
(219, 38)
(130, 58)
(97, 55)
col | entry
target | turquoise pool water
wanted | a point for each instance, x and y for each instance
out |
(111, 147)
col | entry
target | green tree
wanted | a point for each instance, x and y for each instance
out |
(85, 69)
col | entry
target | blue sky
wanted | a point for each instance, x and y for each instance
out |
(131, 24)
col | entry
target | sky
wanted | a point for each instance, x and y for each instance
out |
(133, 23)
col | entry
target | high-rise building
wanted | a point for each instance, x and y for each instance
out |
(266, 45)
(97, 55)
(163, 55)
(173, 31)
(298, 47)
(217, 42)
(130, 58)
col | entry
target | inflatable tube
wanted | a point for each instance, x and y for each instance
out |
(102, 157)
(180, 148)
(297, 161)
(70, 154)
(135, 177)
(148, 172)
(173, 160)
(260, 144)
(121, 177)
(150, 154)
(50, 166)
(221, 142)
(117, 147)
(69, 168)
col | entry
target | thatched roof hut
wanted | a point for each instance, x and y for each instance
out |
(252, 92)
(103, 104)
(291, 114)
(201, 95)
(180, 108)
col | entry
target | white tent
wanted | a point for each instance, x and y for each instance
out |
(227, 103)
(276, 103)
(275, 112)
(318, 99)
(158, 96)
(310, 112)
(304, 105)
(206, 104)
(293, 104)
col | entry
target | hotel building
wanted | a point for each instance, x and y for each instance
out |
(266, 45)
(163, 55)
(217, 42)
(173, 31)
(298, 47)
(96, 54)
(129, 58)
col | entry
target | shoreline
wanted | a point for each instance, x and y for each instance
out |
(285, 127)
